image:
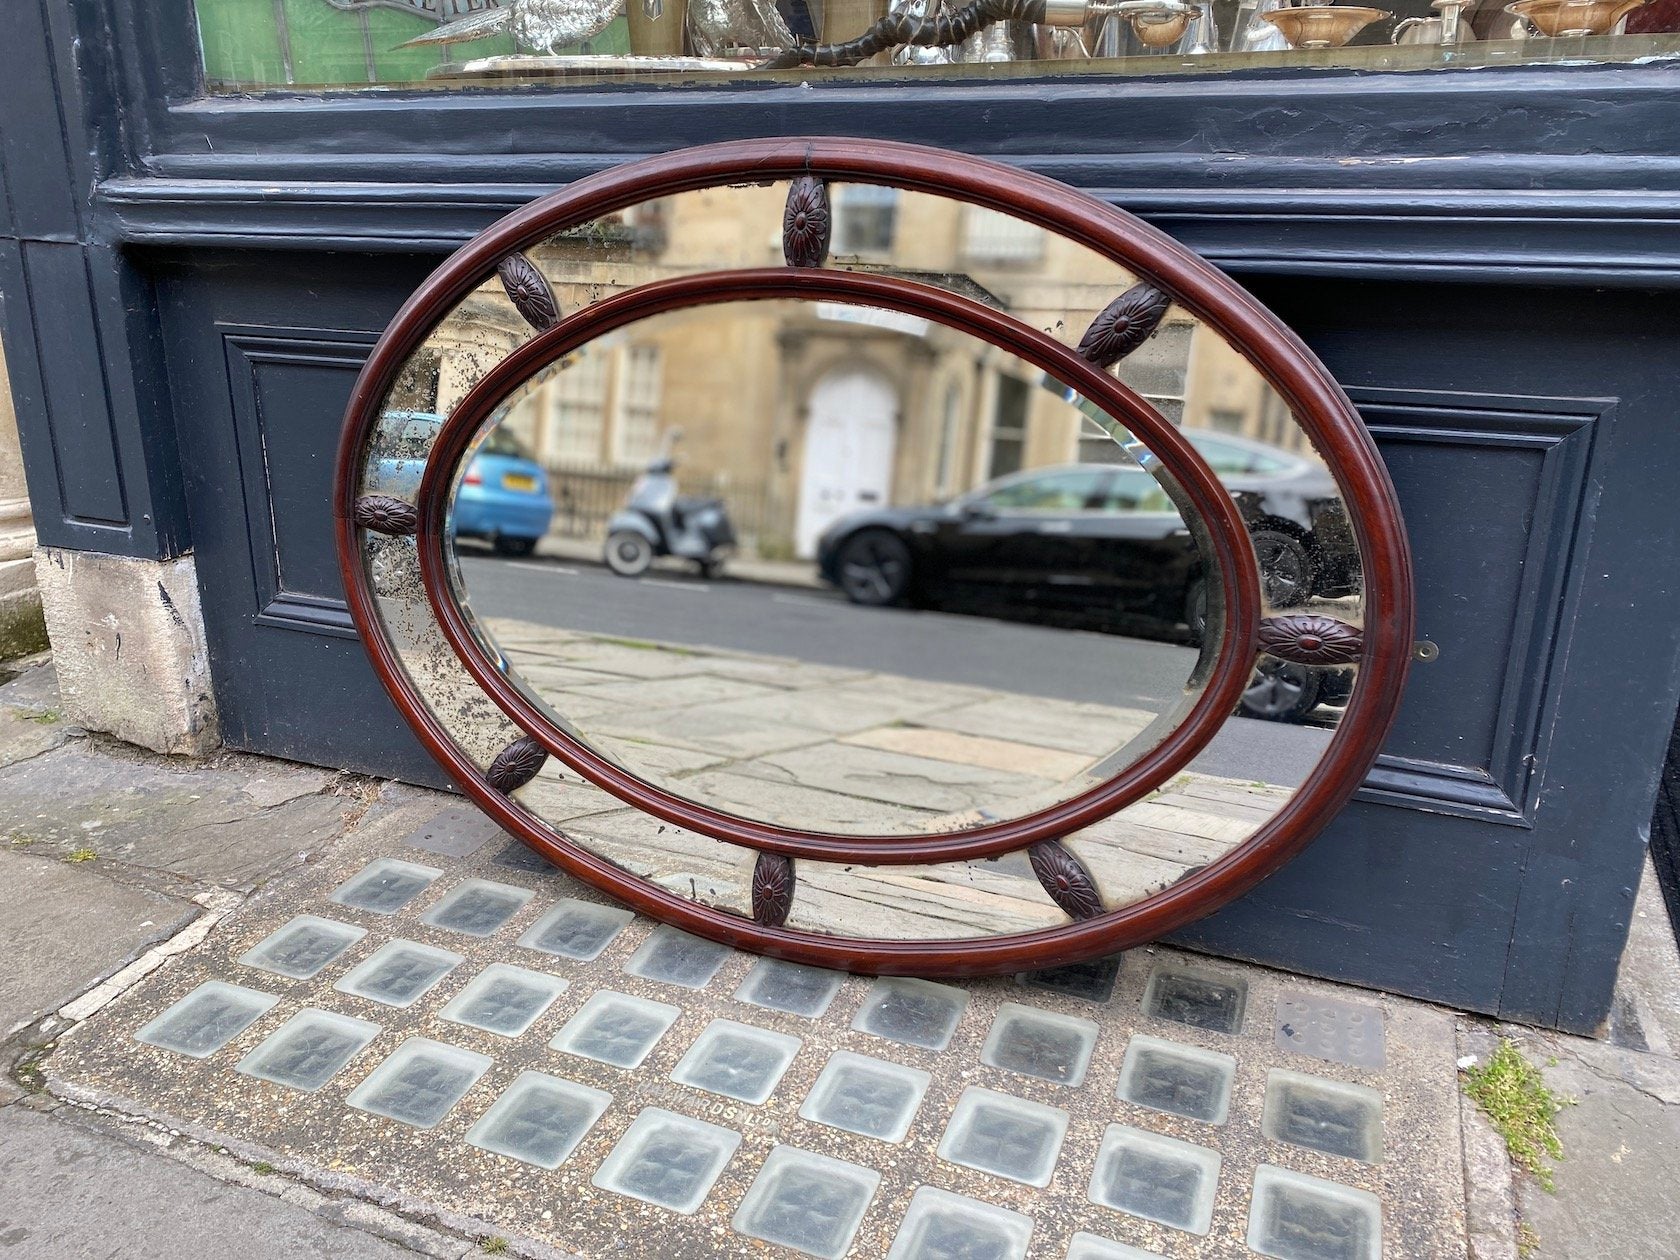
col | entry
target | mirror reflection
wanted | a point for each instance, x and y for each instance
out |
(810, 605)
(865, 576)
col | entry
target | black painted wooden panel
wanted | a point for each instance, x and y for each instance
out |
(260, 399)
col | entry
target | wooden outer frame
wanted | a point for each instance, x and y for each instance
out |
(1314, 398)
(1233, 562)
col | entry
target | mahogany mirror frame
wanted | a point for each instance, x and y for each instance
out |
(1381, 647)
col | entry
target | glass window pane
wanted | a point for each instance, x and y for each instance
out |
(249, 45)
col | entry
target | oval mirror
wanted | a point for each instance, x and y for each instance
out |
(904, 563)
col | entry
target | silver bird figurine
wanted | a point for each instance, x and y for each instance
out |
(537, 25)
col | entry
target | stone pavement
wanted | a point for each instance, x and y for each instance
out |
(493, 1061)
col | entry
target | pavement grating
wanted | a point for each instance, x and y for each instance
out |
(584, 1078)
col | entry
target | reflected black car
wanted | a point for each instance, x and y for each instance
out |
(1102, 546)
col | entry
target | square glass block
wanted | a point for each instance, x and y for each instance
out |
(615, 1028)
(939, 1225)
(911, 1012)
(207, 1019)
(1331, 1029)
(1039, 1043)
(504, 999)
(1329, 1116)
(420, 1082)
(791, 987)
(1177, 1079)
(1157, 1178)
(1092, 980)
(737, 1060)
(398, 972)
(1201, 999)
(477, 907)
(301, 948)
(539, 1119)
(674, 957)
(668, 1160)
(1091, 1247)
(808, 1202)
(867, 1096)
(1296, 1217)
(1009, 1136)
(309, 1049)
(576, 929)
(385, 886)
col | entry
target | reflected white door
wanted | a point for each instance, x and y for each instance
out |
(849, 440)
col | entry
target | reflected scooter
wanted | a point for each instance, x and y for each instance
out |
(655, 521)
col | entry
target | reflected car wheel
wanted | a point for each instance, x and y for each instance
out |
(514, 546)
(1281, 692)
(628, 554)
(1196, 611)
(1287, 571)
(874, 568)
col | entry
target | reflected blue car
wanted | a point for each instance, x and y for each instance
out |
(503, 499)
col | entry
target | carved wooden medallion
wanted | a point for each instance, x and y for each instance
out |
(385, 515)
(1066, 880)
(772, 889)
(1311, 639)
(1124, 325)
(529, 291)
(516, 765)
(807, 223)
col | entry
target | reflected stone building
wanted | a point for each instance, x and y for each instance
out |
(797, 413)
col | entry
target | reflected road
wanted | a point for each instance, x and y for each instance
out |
(823, 628)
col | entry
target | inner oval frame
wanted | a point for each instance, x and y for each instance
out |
(1233, 560)
(1313, 397)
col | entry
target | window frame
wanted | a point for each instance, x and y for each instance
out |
(1515, 174)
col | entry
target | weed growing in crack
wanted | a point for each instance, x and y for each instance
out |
(80, 855)
(493, 1246)
(1513, 1096)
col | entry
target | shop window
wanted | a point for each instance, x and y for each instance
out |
(257, 44)
(636, 429)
